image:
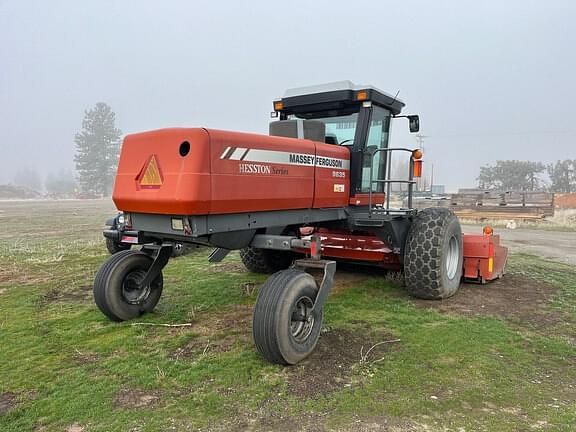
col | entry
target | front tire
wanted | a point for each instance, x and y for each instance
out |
(285, 328)
(116, 290)
(433, 259)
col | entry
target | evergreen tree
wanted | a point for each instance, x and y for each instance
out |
(97, 150)
(563, 176)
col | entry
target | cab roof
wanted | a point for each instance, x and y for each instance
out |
(335, 96)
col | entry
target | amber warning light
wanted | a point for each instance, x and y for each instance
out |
(150, 177)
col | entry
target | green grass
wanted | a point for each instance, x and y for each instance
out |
(448, 372)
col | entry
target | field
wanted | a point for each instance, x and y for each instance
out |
(500, 357)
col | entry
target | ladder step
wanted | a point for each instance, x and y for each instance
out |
(369, 222)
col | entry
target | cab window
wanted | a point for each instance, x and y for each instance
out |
(377, 138)
(340, 130)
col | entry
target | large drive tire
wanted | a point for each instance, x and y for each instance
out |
(433, 259)
(115, 246)
(265, 260)
(115, 290)
(284, 329)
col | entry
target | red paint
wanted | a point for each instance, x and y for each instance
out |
(344, 245)
(478, 249)
(364, 198)
(205, 182)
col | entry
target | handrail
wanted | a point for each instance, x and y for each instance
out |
(387, 181)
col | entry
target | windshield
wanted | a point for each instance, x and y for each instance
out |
(340, 128)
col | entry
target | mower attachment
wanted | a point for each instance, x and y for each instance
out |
(484, 258)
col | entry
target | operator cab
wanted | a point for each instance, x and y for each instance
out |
(342, 113)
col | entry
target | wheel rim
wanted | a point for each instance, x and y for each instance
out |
(302, 320)
(452, 257)
(132, 292)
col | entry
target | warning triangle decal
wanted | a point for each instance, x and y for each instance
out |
(151, 175)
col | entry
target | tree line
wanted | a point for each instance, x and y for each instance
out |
(97, 150)
(516, 175)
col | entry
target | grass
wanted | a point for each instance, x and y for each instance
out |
(65, 364)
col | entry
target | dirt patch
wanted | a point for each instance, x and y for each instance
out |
(227, 267)
(79, 295)
(131, 398)
(8, 401)
(515, 298)
(281, 420)
(237, 318)
(218, 333)
(76, 427)
(382, 423)
(332, 365)
(85, 358)
(201, 346)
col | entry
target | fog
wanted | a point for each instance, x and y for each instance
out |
(491, 80)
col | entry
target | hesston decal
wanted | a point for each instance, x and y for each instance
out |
(261, 169)
(254, 169)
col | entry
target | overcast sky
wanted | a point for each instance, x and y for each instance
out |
(490, 79)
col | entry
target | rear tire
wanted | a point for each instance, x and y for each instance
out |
(265, 260)
(115, 246)
(115, 287)
(285, 330)
(433, 259)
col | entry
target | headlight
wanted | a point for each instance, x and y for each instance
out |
(121, 219)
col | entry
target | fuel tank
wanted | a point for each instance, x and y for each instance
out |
(196, 171)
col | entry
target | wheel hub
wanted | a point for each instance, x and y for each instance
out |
(452, 257)
(302, 320)
(132, 291)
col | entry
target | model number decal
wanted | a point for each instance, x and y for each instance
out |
(339, 174)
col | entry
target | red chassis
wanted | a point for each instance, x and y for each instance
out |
(484, 258)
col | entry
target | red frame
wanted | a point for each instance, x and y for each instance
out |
(478, 251)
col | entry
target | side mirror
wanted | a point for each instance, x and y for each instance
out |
(414, 122)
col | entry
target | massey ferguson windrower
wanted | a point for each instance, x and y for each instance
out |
(315, 191)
